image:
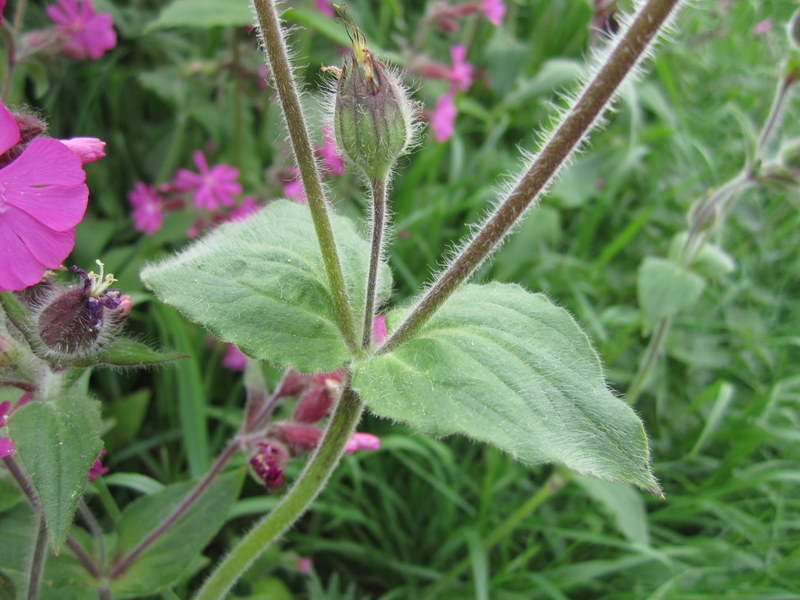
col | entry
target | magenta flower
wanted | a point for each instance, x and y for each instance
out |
(494, 11)
(88, 149)
(97, 468)
(305, 564)
(265, 464)
(2, 6)
(444, 117)
(246, 209)
(293, 188)
(461, 72)
(42, 198)
(87, 34)
(329, 153)
(234, 359)
(362, 441)
(211, 187)
(762, 27)
(6, 445)
(378, 329)
(324, 6)
(147, 204)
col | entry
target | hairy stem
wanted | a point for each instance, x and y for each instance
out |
(378, 227)
(294, 503)
(309, 172)
(775, 111)
(83, 558)
(591, 102)
(126, 561)
(39, 555)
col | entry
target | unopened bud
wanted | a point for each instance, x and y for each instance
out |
(372, 114)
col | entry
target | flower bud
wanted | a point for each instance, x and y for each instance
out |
(793, 29)
(372, 114)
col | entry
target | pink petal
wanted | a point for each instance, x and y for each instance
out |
(48, 247)
(6, 447)
(362, 441)
(234, 359)
(88, 149)
(9, 132)
(443, 118)
(18, 267)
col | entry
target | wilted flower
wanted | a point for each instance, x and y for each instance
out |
(266, 466)
(42, 198)
(87, 34)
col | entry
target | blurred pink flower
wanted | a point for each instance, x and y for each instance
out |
(304, 565)
(2, 6)
(494, 11)
(6, 445)
(444, 117)
(97, 468)
(762, 27)
(147, 206)
(88, 149)
(88, 34)
(329, 153)
(378, 329)
(42, 198)
(293, 188)
(362, 441)
(324, 6)
(234, 359)
(461, 72)
(211, 187)
(247, 208)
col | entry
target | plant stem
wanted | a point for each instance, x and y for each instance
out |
(39, 555)
(125, 562)
(310, 483)
(553, 484)
(94, 528)
(83, 557)
(778, 102)
(591, 102)
(309, 172)
(378, 227)
(654, 348)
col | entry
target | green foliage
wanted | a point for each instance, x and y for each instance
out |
(57, 440)
(202, 14)
(128, 353)
(527, 381)
(168, 559)
(261, 284)
(664, 288)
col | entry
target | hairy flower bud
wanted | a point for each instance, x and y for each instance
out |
(372, 114)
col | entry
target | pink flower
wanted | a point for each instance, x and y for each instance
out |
(42, 198)
(146, 213)
(762, 27)
(362, 441)
(247, 208)
(293, 188)
(97, 468)
(211, 187)
(329, 153)
(494, 11)
(2, 6)
(234, 359)
(88, 149)
(304, 565)
(444, 117)
(87, 34)
(265, 464)
(6, 445)
(378, 329)
(461, 72)
(324, 6)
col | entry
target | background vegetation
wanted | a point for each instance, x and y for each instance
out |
(721, 408)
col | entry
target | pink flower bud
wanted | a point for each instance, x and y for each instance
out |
(302, 437)
(293, 383)
(304, 565)
(88, 149)
(97, 468)
(362, 441)
(266, 466)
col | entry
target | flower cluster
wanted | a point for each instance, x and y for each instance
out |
(315, 394)
(83, 33)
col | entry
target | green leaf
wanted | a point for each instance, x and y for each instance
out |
(166, 561)
(123, 352)
(57, 441)
(664, 288)
(712, 261)
(507, 367)
(203, 14)
(624, 505)
(261, 284)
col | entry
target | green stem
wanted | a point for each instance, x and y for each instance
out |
(294, 504)
(378, 228)
(554, 483)
(778, 103)
(38, 558)
(126, 561)
(578, 120)
(309, 173)
(654, 348)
